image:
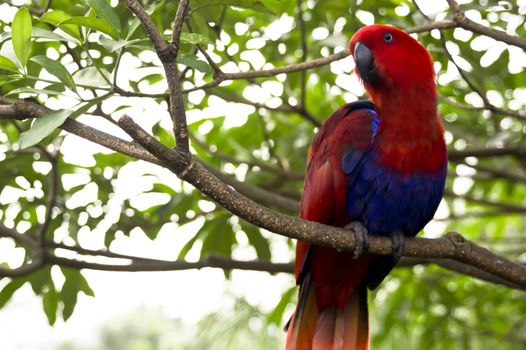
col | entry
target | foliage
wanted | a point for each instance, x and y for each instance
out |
(150, 329)
(93, 62)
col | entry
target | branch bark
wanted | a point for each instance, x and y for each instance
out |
(168, 55)
(131, 263)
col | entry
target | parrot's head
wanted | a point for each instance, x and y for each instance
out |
(388, 60)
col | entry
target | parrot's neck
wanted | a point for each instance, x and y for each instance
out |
(411, 136)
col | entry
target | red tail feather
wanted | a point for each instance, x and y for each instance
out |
(331, 329)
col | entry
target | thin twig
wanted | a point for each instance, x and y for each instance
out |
(180, 15)
(142, 265)
(462, 21)
(150, 264)
(304, 53)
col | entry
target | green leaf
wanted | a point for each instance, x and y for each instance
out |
(4, 36)
(33, 91)
(255, 5)
(85, 287)
(114, 45)
(39, 279)
(42, 127)
(191, 61)
(85, 107)
(7, 64)
(106, 12)
(42, 33)
(21, 35)
(7, 292)
(152, 78)
(276, 315)
(94, 23)
(56, 18)
(219, 238)
(280, 6)
(256, 239)
(195, 38)
(50, 303)
(57, 69)
(91, 76)
(73, 284)
(188, 245)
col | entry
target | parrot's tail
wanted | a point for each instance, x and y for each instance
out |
(334, 328)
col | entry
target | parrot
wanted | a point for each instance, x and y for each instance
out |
(373, 167)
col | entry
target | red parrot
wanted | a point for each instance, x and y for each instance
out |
(375, 166)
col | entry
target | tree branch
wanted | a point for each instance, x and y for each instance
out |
(460, 268)
(210, 261)
(168, 54)
(517, 151)
(297, 67)
(304, 53)
(23, 239)
(317, 62)
(180, 15)
(508, 207)
(214, 261)
(147, 23)
(462, 21)
(452, 246)
(52, 196)
(36, 251)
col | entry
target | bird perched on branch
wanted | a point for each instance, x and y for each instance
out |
(375, 166)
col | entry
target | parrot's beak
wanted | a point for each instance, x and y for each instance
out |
(365, 63)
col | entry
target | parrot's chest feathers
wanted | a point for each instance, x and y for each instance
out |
(411, 141)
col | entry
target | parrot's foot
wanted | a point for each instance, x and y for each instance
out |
(398, 239)
(362, 238)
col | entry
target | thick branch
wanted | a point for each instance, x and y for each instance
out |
(24, 109)
(256, 193)
(452, 246)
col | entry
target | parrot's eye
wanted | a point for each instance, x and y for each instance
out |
(388, 37)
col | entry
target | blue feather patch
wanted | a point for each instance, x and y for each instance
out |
(386, 201)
